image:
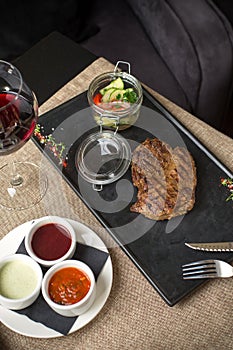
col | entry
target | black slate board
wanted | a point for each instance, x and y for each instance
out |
(156, 248)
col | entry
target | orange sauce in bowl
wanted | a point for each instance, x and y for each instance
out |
(68, 286)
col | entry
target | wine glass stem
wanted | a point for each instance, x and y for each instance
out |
(16, 179)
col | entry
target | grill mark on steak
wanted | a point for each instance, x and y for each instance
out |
(165, 178)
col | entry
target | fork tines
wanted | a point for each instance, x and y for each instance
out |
(199, 269)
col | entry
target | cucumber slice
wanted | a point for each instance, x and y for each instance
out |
(117, 84)
(129, 90)
(106, 96)
(117, 95)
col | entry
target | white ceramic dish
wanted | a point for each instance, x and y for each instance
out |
(46, 220)
(22, 324)
(74, 309)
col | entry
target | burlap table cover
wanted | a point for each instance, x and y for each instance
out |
(134, 316)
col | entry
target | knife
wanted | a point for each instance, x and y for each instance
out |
(212, 247)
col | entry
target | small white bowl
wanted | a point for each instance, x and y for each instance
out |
(77, 308)
(50, 242)
(17, 272)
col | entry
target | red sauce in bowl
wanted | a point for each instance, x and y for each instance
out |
(51, 241)
(68, 286)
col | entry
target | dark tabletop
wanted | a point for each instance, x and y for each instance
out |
(51, 63)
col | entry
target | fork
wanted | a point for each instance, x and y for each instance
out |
(207, 269)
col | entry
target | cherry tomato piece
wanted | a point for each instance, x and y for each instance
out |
(97, 99)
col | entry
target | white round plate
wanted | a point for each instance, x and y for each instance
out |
(24, 325)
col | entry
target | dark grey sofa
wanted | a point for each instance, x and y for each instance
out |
(181, 48)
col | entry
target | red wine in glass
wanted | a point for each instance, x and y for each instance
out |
(17, 122)
(23, 184)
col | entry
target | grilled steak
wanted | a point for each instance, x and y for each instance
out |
(165, 178)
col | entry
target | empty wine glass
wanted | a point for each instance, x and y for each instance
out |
(22, 184)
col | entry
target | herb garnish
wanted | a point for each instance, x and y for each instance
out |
(130, 96)
(58, 149)
(229, 184)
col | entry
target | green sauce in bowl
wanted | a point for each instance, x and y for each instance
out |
(17, 280)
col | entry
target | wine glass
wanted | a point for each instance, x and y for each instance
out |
(22, 184)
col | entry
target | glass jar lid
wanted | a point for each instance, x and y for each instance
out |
(103, 157)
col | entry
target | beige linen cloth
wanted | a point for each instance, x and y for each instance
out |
(134, 316)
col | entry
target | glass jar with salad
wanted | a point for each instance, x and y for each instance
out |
(115, 99)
